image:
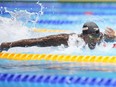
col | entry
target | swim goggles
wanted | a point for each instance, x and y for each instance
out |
(94, 36)
(85, 32)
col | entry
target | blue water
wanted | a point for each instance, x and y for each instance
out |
(103, 14)
(66, 16)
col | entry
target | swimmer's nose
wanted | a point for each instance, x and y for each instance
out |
(94, 40)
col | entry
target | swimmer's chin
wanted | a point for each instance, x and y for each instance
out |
(92, 45)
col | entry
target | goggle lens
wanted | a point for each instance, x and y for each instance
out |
(94, 36)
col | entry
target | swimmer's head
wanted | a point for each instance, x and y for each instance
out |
(91, 34)
(90, 28)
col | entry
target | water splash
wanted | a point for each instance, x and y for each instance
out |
(41, 8)
(12, 30)
(25, 16)
(75, 41)
(16, 26)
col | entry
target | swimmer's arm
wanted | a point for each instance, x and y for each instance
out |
(110, 34)
(53, 40)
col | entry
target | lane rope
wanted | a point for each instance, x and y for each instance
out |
(59, 58)
(13, 79)
(80, 13)
(87, 0)
(56, 22)
(50, 30)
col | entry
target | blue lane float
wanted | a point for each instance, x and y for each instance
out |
(23, 80)
(61, 5)
(56, 22)
(79, 13)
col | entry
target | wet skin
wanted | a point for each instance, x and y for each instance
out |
(91, 40)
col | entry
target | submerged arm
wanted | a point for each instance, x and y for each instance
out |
(53, 40)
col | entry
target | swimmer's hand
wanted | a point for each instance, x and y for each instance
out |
(3, 47)
(110, 34)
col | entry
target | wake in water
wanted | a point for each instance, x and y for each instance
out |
(20, 24)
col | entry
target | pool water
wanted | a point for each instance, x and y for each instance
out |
(17, 21)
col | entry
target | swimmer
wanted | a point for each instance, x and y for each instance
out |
(91, 36)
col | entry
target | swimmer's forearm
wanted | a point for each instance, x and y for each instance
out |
(53, 40)
(20, 43)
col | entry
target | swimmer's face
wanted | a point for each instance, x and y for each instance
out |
(91, 40)
(91, 34)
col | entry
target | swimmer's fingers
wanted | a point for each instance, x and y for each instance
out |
(107, 32)
(110, 32)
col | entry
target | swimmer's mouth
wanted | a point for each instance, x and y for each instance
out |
(92, 45)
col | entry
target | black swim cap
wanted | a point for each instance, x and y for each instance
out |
(90, 28)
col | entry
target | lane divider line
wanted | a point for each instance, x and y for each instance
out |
(50, 30)
(13, 79)
(59, 58)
